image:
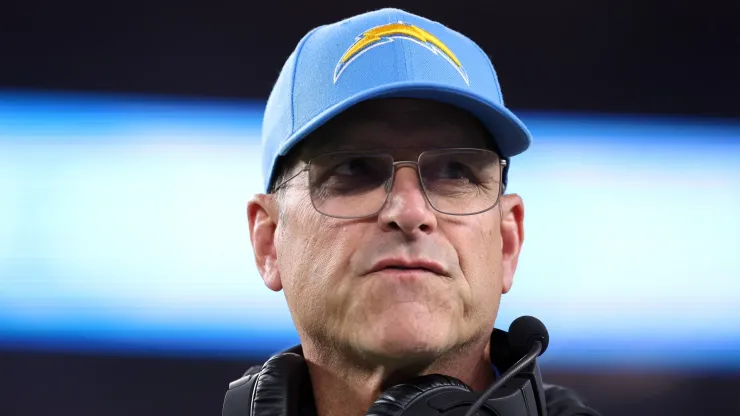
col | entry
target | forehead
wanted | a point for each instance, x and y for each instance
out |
(399, 123)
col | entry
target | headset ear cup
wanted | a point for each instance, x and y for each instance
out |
(278, 385)
(394, 400)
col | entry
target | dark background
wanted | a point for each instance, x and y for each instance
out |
(625, 56)
(648, 57)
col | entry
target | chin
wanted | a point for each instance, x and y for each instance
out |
(405, 339)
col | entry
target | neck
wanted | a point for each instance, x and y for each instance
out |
(341, 387)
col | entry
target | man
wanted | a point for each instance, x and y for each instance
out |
(384, 218)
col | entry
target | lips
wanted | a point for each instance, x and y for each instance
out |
(409, 264)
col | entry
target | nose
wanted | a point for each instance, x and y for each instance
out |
(407, 209)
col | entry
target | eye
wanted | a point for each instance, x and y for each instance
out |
(351, 167)
(454, 170)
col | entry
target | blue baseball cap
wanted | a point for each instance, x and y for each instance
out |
(382, 54)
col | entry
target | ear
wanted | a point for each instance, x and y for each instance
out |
(263, 215)
(512, 236)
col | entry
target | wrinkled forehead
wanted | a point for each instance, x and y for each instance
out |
(399, 123)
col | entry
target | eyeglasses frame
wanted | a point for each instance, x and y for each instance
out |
(396, 166)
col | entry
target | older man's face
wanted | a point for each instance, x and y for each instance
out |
(323, 263)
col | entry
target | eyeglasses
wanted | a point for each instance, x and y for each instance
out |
(356, 184)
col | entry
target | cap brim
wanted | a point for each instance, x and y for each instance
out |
(510, 135)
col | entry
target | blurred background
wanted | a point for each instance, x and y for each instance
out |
(129, 145)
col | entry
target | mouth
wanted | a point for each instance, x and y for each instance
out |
(401, 265)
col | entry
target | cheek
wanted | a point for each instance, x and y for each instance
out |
(479, 249)
(312, 256)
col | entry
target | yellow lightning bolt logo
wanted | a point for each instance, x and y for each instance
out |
(384, 34)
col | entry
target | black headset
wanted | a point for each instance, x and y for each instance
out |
(282, 386)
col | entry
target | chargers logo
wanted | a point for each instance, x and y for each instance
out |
(381, 35)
